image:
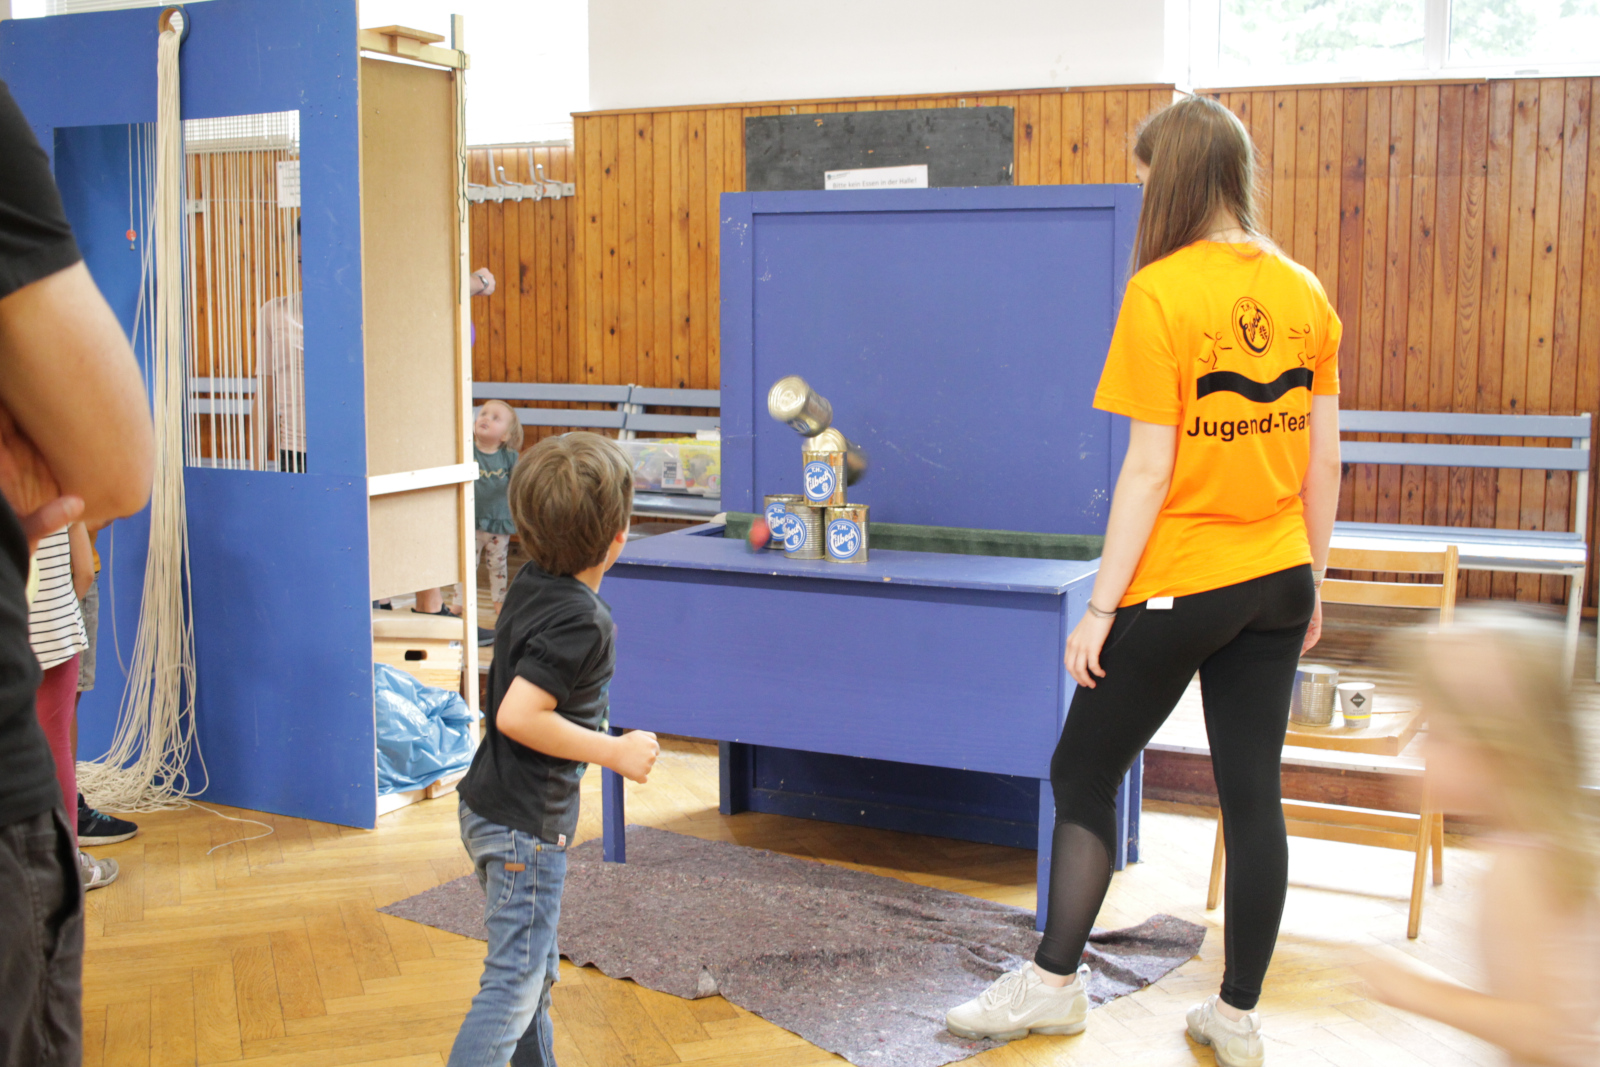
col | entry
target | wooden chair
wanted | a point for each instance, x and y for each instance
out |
(1364, 826)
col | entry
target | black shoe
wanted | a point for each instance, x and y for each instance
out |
(98, 828)
(382, 605)
(485, 638)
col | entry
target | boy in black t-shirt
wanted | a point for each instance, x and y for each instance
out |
(554, 652)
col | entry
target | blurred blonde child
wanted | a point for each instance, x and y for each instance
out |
(1503, 749)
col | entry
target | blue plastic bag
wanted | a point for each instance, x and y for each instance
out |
(423, 733)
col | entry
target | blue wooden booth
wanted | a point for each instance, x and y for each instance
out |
(959, 334)
(283, 566)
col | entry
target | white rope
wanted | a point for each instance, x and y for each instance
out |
(146, 768)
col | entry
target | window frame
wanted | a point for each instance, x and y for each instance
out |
(1206, 68)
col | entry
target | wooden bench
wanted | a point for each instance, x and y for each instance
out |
(1557, 552)
(627, 413)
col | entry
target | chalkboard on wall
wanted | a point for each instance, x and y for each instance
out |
(961, 146)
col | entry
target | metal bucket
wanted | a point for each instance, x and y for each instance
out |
(823, 478)
(802, 532)
(793, 401)
(776, 506)
(846, 534)
(1315, 686)
(831, 440)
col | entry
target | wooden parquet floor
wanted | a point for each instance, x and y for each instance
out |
(271, 953)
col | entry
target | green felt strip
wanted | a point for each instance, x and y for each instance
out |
(959, 540)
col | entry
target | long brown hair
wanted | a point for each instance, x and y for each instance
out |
(1201, 162)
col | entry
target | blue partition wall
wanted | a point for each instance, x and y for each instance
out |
(283, 638)
(958, 333)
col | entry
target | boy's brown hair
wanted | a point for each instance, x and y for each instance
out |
(570, 496)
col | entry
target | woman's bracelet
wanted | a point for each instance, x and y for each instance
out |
(1318, 577)
(1097, 613)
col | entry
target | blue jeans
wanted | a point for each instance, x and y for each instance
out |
(510, 1016)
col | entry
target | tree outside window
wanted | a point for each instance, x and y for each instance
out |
(1309, 40)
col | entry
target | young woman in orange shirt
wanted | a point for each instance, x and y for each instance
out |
(1225, 360)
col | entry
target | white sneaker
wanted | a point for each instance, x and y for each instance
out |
(1019, 1003)
(96, 873)
(1235, 1044)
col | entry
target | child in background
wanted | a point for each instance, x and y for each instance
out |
(55, 630)
(1502, 747)
(496, 444)
(547, 716)
(94, 827)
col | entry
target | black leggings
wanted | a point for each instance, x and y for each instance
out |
(1245, 641)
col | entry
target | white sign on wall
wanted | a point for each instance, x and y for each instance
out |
(912, 177)
(289, 183)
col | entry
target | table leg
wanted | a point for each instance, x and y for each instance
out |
(613, 816)
(733, 766)
(1047, 831)
(1575, 584)
(1135, 807)
(1127, 802)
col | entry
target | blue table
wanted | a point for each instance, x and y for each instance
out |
(945, 661)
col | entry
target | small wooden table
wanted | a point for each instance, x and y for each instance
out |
(1391, 731)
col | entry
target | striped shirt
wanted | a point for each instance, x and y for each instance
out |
(55, 623)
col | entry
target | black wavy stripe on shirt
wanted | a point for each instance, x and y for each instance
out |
(1227, 381)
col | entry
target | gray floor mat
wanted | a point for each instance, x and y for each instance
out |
(858, 964)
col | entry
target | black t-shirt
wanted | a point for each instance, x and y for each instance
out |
(35, 241)
(556, 633)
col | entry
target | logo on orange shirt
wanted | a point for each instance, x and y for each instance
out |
(1252, 326)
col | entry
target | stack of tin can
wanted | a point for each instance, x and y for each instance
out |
(818, 523)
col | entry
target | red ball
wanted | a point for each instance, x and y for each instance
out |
(759, 534)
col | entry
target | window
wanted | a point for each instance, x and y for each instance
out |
(1526, 32)
(1244, 42)
(246, 344)
(1321, 33)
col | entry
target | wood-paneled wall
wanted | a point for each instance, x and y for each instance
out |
(640, 241)
(1455, 226)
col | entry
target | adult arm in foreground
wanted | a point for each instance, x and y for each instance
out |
(75, 425)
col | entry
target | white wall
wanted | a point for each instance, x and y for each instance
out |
(645, 53)
(530, 58)
(529, 61)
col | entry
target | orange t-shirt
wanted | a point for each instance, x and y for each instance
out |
(1228, 343)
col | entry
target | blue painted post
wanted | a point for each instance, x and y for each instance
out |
(1120, 860)
(1047, 830)
(734, 762)
(613, 815)
(1135, 806)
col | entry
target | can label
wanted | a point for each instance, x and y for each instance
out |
(844, 539)
(821, 480)
(775, 513)
(792, 531)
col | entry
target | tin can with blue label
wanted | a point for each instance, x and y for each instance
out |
(845, 533)
(802, 532)
(823, 478)
(831, 440)
(791, 400)
(776, 506)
